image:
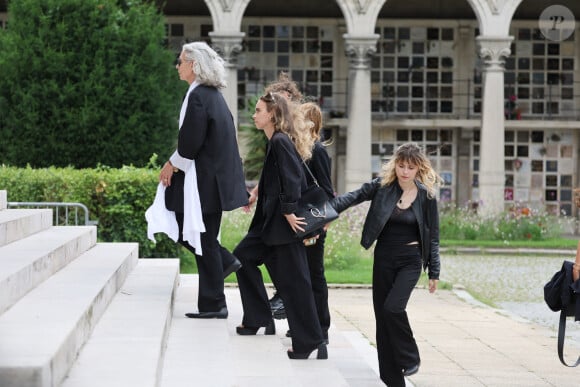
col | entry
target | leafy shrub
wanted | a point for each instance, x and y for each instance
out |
(254, 143)
(119, 197)
(116, 198)
(85, 82)
(517, 224)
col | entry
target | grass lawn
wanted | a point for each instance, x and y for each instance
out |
(557, 243)
(346, 262)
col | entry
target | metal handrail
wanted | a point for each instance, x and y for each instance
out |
(57, 214)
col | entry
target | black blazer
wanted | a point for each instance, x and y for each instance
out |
(208, 136)
(281, 183)
(320, 167)
(383, 202)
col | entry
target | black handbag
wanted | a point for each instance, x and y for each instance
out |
(314, 207)
(561, 294)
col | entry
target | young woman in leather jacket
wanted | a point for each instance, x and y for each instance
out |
(403, 219)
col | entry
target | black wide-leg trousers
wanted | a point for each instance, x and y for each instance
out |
(291, 278)
(395, 274)
(315, 257)
(210, 265)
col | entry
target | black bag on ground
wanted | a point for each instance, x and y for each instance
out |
(561, 294)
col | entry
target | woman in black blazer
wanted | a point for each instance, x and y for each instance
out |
(271, 236)
(320, 166)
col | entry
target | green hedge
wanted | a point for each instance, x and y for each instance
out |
(86, 81)
(117, 198)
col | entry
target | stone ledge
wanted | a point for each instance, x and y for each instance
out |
(3, 200)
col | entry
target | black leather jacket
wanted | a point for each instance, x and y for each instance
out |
(383, 201)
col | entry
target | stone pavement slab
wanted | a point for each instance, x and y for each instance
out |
(209, 353)
(465, 343)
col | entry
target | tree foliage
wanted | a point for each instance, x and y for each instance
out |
(255, 143)
(86, 82)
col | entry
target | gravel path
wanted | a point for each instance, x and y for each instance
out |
(512, 283)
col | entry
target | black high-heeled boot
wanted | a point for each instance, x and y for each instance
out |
(249, 331)
(322, 353)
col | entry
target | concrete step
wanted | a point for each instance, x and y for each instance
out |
(128, 344)
(16, 224)
(42, 333)
(209, 353)
(27, 262)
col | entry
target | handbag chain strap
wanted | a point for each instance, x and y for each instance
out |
(307, 168)
(311, 174)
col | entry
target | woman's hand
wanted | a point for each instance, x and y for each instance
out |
(295, 222)
(433, 285)
(311, 241)
(251, 200)
(166, 174)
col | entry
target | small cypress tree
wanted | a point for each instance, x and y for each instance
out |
(86, 82)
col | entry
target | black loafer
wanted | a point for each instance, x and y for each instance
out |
(411, 370)
(235, 266)
(222, 313)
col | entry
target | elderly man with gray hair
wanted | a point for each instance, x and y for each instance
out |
(207, 139)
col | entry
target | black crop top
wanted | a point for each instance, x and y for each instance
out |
(401, 228)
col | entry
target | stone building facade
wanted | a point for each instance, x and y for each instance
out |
(488, 87)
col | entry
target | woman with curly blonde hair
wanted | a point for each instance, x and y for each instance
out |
(403, 220)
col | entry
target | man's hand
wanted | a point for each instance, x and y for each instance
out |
(166, 174)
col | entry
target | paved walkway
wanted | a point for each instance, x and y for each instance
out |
(465, 343)
(462, 342)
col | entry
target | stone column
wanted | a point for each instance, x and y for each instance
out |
(229, 46)
(491, 165)
(359, 50)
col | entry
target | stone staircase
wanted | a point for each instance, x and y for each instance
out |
(76, 313)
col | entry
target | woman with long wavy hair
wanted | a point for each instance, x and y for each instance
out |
(271, 238)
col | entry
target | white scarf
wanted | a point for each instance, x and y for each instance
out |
(159, 219)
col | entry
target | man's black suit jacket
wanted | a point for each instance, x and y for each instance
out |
(208, 136)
